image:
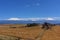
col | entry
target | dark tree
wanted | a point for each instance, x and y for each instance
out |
(31, 24)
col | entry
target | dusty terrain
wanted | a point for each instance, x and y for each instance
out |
(30, 32)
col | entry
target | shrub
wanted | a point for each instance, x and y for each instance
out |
(13, 27)
(31, 24)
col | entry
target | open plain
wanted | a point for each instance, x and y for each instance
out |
(30, 33)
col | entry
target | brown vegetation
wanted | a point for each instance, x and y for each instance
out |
(30, 32)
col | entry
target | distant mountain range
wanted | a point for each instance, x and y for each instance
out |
(29, 21)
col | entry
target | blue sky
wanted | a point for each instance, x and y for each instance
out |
(29, 8)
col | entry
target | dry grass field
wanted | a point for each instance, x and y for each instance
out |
(30, 32)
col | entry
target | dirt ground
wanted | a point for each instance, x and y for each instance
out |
(30, 32)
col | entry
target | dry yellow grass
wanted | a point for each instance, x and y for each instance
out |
(31, 32)
(53, 34)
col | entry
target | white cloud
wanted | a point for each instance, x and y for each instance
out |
(26, 19)
(13, 19)
(28, 5)
(37, 4)
(32, 19)
(49, 19)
